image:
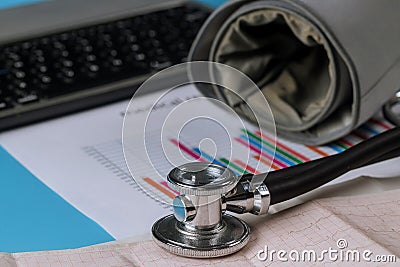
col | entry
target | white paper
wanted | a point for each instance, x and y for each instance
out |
(80, 157)
(53, 152)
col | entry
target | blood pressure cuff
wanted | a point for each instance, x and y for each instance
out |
(325, 67)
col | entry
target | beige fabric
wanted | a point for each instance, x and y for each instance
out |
(289, 61)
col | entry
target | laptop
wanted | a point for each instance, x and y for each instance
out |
(63, 56)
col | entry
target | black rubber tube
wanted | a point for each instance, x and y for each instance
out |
(299, 168)
(284, 188)
(296, 180)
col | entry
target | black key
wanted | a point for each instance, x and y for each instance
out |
(19, 74)
(161, 64)
(82, 59)
(45, 79)
(90, 70)
(18, 64)
(3, 105)
(27, 98)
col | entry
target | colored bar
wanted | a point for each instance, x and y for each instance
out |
(258, 151)
(381, 123)
(346, 143)
(208, 157)
(340, 144)
(369, 129)
(268, 163)
(359, 134)
(277, 156)
(246, 167)
(187, 150)
(231, 164)
(159, 187)
(288, 149)
(335, 147)
(167, 186)
(318, 151)
(293, 160)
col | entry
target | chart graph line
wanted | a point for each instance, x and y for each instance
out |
(260, 157)
(279, 150)
(159, 187)
(266, 162)
(288, 149)
(246, 167)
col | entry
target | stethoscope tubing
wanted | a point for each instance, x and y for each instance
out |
(293, 181)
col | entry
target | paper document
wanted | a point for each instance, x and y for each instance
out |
(80, 157)
(357, 230)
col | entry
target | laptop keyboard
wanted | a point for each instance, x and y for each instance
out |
(38, 75)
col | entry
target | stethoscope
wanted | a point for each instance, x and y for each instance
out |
(200, 226)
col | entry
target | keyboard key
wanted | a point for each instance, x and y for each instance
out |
(81, 59)
(3, 105)
(26, 99)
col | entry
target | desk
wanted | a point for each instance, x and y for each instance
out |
(78, 230)
(64, 153)
(36, 217)
(15, 3)
(319, 225)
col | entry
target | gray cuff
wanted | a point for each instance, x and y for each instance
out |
(325, 67)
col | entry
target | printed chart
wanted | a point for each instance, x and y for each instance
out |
(258, 155)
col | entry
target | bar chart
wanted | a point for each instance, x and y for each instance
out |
(260, 152)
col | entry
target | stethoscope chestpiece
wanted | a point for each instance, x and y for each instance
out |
(199, 228)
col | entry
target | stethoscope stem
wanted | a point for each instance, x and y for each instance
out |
(244, 199)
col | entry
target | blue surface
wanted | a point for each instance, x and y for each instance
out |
(212, 3)
(14, 3)
(33, 217)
